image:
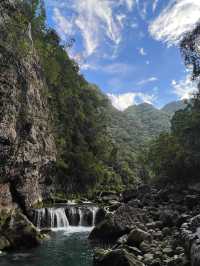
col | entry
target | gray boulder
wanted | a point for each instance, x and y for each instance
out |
(118, 257)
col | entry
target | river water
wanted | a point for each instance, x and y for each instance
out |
(64, 248)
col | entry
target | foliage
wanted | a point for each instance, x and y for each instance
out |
(78, 112)
(97, 145)
(176, 156)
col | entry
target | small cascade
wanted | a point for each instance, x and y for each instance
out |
(58, 218)
(81, 223)
(65, 217)
(94, 212)
(50, 218)
(39, 218)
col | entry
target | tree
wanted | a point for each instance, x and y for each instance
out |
(176, 156)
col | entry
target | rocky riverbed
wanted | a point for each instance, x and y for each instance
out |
(150, 226)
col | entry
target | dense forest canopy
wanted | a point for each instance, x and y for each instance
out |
(176, 156)
(87, 157)
(99, 147)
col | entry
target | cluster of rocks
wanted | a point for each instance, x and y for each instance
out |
(153, 227)
(17, 232)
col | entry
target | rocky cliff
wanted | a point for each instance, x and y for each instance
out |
(27, 149)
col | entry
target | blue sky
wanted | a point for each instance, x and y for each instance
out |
(129, 48)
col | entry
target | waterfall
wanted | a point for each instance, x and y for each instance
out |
(58, 218)
(80, 211)
(50, 218)
(39, 215)
(66, 217)
(94, 212)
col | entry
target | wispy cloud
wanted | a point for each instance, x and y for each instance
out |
(121, 69)
(95, 20)
(129, 3)
(176, 19)
(142, 51)
(185, 88)
(64, 26)
(145, 81)
(154, 5)
(123, 101)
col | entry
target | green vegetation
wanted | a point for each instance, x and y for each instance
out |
(98, 146)
(79, 116)
(175, 157)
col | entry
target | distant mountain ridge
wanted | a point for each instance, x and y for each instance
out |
(173, 107)
(138, 124)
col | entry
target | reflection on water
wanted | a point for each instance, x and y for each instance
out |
(68, 248)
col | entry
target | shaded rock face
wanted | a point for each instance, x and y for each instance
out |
(190, 232)
(27, 149)
(17, 232)
(116, 258)
(6, 200)
(121, 222)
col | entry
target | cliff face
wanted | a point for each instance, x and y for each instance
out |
(27, 149)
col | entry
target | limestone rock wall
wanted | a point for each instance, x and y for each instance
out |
(6, 200)
(27, 149)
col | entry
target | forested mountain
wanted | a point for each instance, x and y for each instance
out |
(172, 107)
(139, 124)
(85, 143)
(175, 156)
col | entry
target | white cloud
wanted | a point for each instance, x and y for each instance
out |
(145, 81)
(154, 5)
(95, 20)
(142, 51)
(185, 88)
(63, 26)
(129, 3)
(179, 17)
(142, 7)
(121, 69)
(123, 101)
(134, 25)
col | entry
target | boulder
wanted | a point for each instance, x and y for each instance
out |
(114, 205)
(117, 224)
(4, 243)
(20, 232)
(169, 218)
(148, 258)
(128, 195)
(118, 257)
(194, 187)
(106, 230)
(107, 196)
(137, 236)
(191, 201)
(100, 215)
(122, 239)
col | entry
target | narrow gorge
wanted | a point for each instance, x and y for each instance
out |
(81, 182)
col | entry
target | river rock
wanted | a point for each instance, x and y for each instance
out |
(20, 232)
(117, 224)
(148, 258)
(4, 243)
(137, 236)
(100, 215)
(169, 217)
(119, 257)
(191, 200)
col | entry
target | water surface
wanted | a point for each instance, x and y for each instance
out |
(69, 248)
